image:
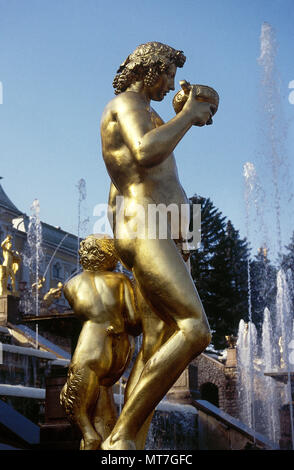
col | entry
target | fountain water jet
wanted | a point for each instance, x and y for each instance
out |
(274, 130)
(247, 334)
(285, 326)
(275, 163)
(55, 251)
(272, 401)
(265, 370)
(82, 222)
(33, 256)
(246, 351)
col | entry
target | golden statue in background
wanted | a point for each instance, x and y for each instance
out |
(138, 152)
(49, 297)
(9, 267)
(53, 294)
(281, 348)
(231, 341)
(104, 300)
(38, 286)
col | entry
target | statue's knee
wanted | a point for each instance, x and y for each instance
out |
(198, 335)
(206, 338)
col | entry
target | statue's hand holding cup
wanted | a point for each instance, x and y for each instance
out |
(191, 96)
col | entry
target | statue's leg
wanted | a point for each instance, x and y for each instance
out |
(12, 277)
(105, 414)
(79, 397)
(164, 279)
(132, 382)
(155, 333)
(91, 362)
(3, 280)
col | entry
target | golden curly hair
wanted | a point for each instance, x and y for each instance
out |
(97, 253)
(147, 63)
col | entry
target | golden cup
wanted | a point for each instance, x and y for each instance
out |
(203, 93)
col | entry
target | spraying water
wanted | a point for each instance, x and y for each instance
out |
(255, 197)
(33, 256)
(272, 400)
(284, 324)
(82, 222)
(246, 351)
(248, 334)
(274, 132)
(261, 362)
(270, 93)
(249, 176)
(52, 257)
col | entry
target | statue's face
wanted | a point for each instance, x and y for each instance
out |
(164, 84)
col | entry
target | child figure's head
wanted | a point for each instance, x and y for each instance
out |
(97, 253)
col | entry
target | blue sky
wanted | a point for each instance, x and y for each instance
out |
(57, 63)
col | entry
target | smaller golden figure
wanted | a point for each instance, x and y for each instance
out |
(105, 301)
(53, 294)
(49, 297)
(231, 341)
(10, 266)
(36, 287)
(281, 347)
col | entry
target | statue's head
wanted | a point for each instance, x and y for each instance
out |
(8, 242)
(97, 253)
(147, 63)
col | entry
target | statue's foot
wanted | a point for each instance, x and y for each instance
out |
(90, 442)
(118, 444)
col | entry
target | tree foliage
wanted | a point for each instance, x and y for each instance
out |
(219, 270)
(288, 262)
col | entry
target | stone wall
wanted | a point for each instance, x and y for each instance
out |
(221, 374)
(208, 371)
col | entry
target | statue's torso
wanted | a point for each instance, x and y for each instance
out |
(96, 296)
(7, 258)
(156, 184)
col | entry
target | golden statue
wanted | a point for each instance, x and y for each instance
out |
(104, 300)
(231, 341)
(138, 153)
(52, 294)
(37, 286)
(281, 348)
(9, 267)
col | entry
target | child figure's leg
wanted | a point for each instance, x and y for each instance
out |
(78, 397)
(105, 414)
(91, 361)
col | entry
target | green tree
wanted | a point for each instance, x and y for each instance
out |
(288, 262)
(288, 257)
(219, 270)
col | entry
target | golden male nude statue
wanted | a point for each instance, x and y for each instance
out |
(9, 267)
(138, 152)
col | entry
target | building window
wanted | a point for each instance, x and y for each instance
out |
(57, 271)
